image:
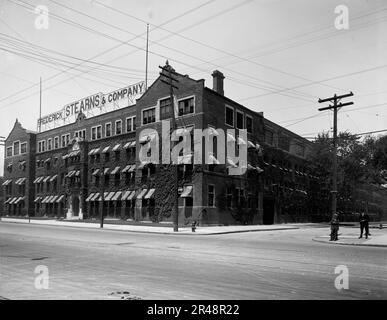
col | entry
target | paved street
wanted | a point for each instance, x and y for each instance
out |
(107, 264)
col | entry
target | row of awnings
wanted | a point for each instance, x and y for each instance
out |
(7, 182)
(116, 147)
(50, 199)
(73, 173)
(45, 178)
(71, 154)
(129, 168)
(14, 200)
(20, 181)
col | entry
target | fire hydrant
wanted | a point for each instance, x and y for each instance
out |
(193, 226)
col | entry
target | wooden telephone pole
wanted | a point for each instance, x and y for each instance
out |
(335, 107)
(167, 72)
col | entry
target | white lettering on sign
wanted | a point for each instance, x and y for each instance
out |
(95, 101)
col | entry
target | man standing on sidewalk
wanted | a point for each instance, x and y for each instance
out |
(364, 219)
(334, 227)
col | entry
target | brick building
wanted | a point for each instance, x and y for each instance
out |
(78, 169)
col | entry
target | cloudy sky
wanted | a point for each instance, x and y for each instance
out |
(278, 57)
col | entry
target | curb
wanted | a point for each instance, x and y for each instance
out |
(152, 232)
(350, 244)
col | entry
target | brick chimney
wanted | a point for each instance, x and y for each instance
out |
(217, 80)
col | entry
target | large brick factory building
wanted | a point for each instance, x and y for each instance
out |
(78, 169)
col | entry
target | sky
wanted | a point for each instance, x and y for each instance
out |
(277, 56)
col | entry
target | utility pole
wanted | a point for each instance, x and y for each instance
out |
(168, 74)
(40, 104)
(146, 57)
(335, 107)
(102, 194)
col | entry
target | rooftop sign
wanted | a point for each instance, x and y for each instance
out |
(117, 99)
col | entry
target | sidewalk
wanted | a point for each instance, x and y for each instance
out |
(350, 236)
(155, 229)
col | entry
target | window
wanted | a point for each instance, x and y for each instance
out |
(211, 195)
(9, 151)
(96, 132)
(67, 138)
(49, 144)
(108, 129)
(240, 200)
(80, 134)
(165, 109)
(239, 120)
(63, 141)
(118, 126)
(249, 124)
(23, 147)
(186, 106)
(269, 137)
(56, 142)
(229, 116)
(229, 197)
(16, 148)
(149, 116)
(130, 124)
(42, 146)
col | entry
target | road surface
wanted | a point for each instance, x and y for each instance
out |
(103, 264)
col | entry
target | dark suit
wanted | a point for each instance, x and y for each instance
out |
(364, 219)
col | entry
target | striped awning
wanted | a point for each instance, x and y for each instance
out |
(250, 144)
(96, 195)
(18, 200)
(117, 147)
(109, 196)
(129, 144)
(91, 152)
(126, 168)
(131, 195)
(142, 193)
(90, 197)
(53, 177)
(117, 196)
(46, 198)
(95, 172)
(105, 194)
(70, 174)
(8, 200)
(150, 194)
(115, 170)
(126, 194)
(106, 149)
(106, 171)
(241, 141)
(46, 178)
(187, 192)
(12, 200)
(37, 199)
(52, 200)
(61, 197)
(74, 153)
(7, 182)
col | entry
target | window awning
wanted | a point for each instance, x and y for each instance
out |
(117, 147)
(187, 192)
(90, 196)
(150, 194)
(75, 153)
(230, 137)
(117, 195)
(96, 195)
(129, 144)
(52, 200)
(186, 159)
(212, 160)
(60, 198)
(96, 150)
(95, 172)
(46, 178)
(106, 171)
(7, 182)
(126, 168)
(22, 180)
(37, 180)
(250, 144)
(91, 152)
(12, 200)
(65, 156)
(115, 170)
(231, 163)
(126, 194)
(109, 196)
(53, 177)
(105, 194)
(70, 174)
(241, 141)
(47, 160)
(142, 193)
(37, 199)
(8, 200)
(45, 199)
(131, 195)
(132, 168)
(106, 149)
(19, 200)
